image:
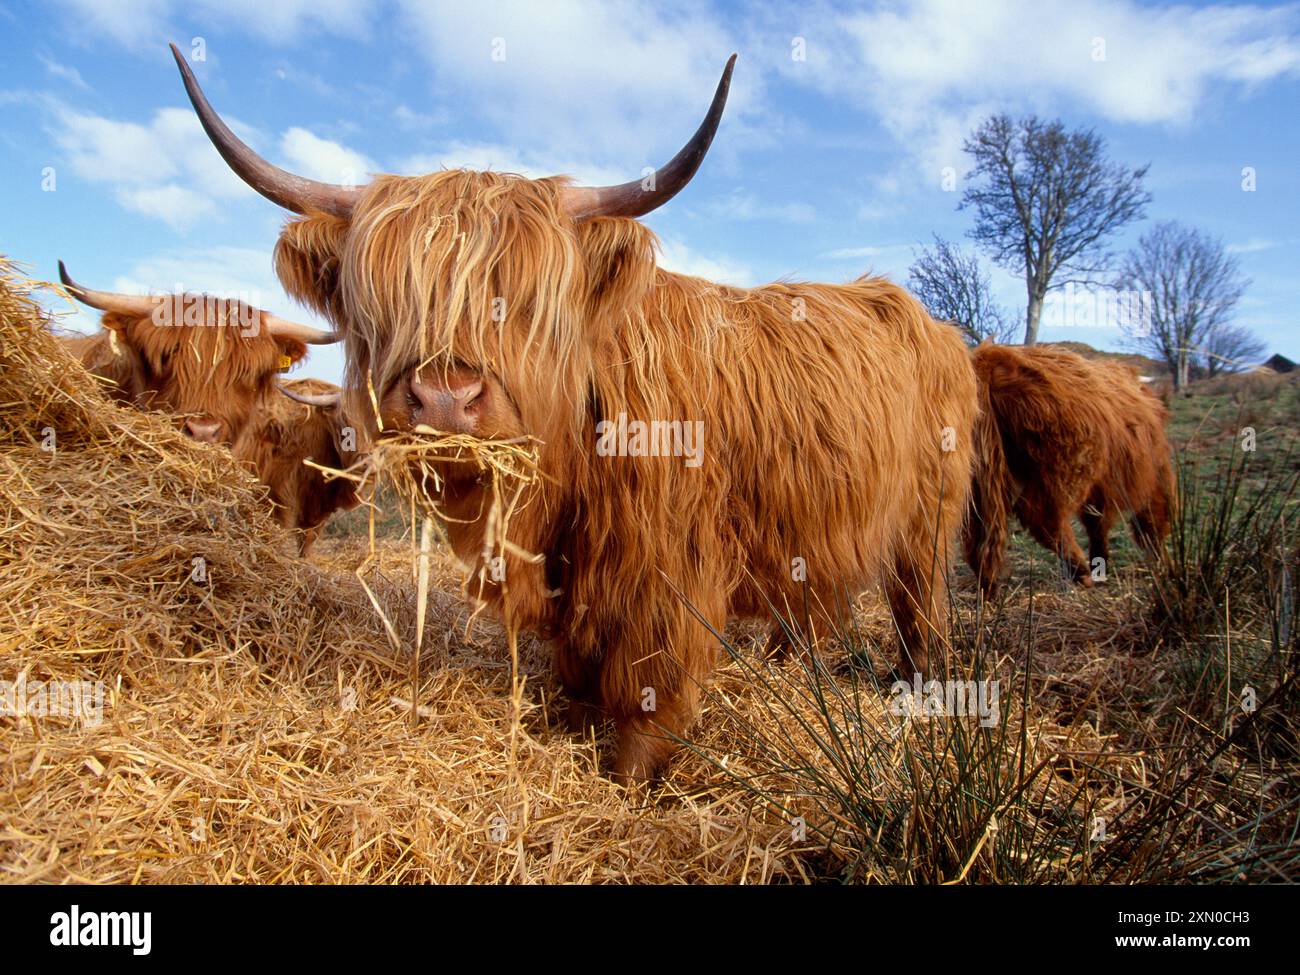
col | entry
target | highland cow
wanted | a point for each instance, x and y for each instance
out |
(1058, 436)
(835, 449)
(208, 361)
(304, 424)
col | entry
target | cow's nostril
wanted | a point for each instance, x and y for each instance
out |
(469, 394)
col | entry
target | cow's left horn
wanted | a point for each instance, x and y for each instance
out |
(138, 305)
(313, 399)
(296, 193)
(283, 328)
(639, 196)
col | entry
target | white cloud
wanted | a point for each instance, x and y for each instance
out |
(616, 80)
(510, 159)
(930, 68)
(747, 206)
(172, 146)
(63, 72)
(176, 206)
(316, 158)
(167, 169)
(411, 120)
(676, 256)
(233, 272)
(144, 24)
(1252, 246)
(131, 23)
(857, 253)
(287, 20)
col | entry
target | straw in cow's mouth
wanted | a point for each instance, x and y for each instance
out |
(410, 464)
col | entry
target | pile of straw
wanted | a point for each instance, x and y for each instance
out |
(267, 719)
(257, 721)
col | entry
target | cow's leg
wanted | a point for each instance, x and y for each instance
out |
(646, 741)
(579, 676)
(1150, 523)
(984, 541)
(1098, 519)
(984, 537)
(1049, 526)
(306, 540)
(780, 645)
(917, 591)
(651, 683)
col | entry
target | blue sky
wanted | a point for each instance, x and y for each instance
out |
(826, 166)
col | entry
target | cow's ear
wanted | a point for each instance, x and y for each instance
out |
(292, 352)
(120, 363)
(620, 260)
(307, 262)
(113, 322)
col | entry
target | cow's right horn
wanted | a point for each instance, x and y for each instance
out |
(313, 399)
(283, 328)
(639, 196)
(296, 193)
(137, 305)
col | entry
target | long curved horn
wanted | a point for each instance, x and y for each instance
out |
(283, 328)
(296, 193)
(323, 400)
(639, 196)
(139, 305)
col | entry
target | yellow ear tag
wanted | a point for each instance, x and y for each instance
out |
(286, 362)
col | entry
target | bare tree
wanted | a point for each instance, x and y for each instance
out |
(1047, 200)
(1229, 347)
(955, 288)
(1193, 284)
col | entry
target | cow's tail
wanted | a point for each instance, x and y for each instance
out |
(985, 534)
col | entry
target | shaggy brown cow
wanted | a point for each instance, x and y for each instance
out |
(822, 431)
(207, 360)
(303, 424)
(1060, 435)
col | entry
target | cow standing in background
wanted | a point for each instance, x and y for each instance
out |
(209, 361)
(830, 425)
(1060, 436)
(284, 432)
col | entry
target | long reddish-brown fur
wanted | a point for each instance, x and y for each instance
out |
(837, 422)
(281, 435)
(1060, 436)
(215, 371)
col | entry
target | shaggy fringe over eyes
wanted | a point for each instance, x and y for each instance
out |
(208, 369)
(428, 266)
(484, 269)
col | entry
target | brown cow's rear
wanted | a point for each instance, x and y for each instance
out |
(1058, 436)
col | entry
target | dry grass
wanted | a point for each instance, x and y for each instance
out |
(258, 723)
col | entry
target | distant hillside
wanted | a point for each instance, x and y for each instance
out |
(1143, 364)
